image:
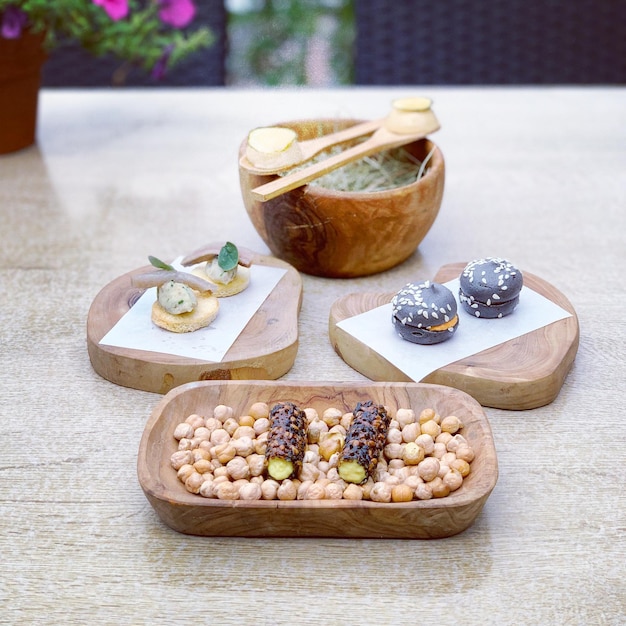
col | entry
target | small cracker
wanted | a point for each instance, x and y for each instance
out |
(201, 316)
(235, 286)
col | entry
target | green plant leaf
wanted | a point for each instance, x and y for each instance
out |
(160, 264)
(228, 257)
(140, 39)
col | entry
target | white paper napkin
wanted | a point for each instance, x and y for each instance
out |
(135, 329)
(374, 329)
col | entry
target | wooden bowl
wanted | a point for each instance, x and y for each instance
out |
(345, 234)
(193, 514)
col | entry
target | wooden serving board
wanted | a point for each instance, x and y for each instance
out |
(266, 348)
(524, 373)
(420, 519)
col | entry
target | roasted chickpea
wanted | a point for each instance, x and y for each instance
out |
(222, 412)
(223, 456)
(246, 420)
(184, 430)
(259, 410)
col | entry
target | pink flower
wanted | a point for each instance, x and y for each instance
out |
(177, 13)
(13, 21)
(116, 9)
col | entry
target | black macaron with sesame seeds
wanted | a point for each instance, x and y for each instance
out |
(490, 287)
(424, 313)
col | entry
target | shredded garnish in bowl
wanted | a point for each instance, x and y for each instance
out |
(385, 170)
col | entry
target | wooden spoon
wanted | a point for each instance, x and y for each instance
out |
(310, 147)
(382, 139)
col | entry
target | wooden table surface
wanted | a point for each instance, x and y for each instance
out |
(536, 175)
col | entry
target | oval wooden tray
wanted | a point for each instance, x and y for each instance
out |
(194, 514)
(524, 373)
(266, 348)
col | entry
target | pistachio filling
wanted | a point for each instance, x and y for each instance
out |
(176, 298)
(216, 273)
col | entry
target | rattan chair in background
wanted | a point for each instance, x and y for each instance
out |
(71, 66)
(490, 42)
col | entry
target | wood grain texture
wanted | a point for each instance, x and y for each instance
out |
(524, 373)
(536, 172)
(336, 234)
(194, 514)
(266, 348)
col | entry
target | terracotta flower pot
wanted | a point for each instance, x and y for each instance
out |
(20, 75)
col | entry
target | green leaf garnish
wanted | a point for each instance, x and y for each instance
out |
(160, 264)
(228, 257)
